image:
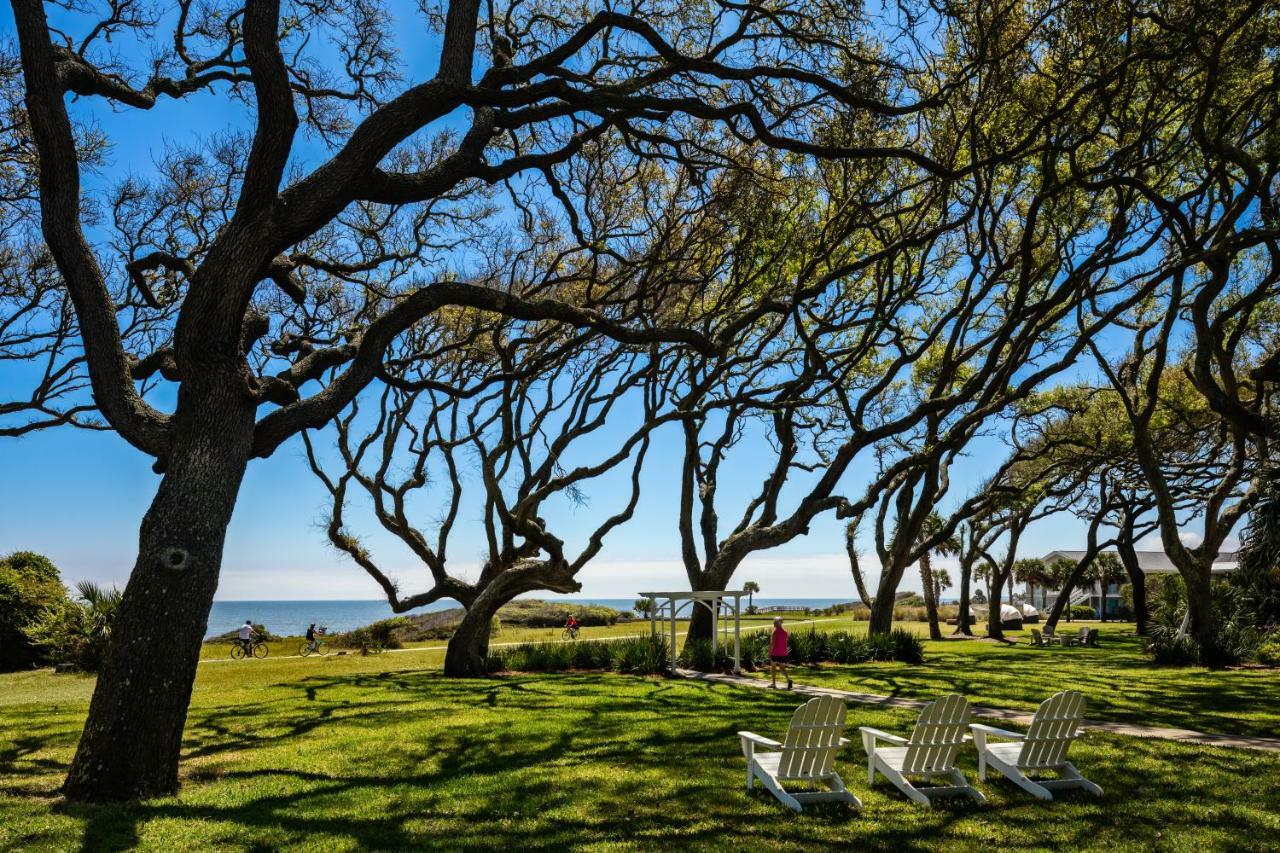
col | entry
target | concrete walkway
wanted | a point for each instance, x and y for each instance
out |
(1022, 717)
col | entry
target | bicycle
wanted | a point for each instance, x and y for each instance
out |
(569, 634)
(317, 648)
(241, 649)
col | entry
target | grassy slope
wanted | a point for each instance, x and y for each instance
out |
(508, 634)
(350, 753)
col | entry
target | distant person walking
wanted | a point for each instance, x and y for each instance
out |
(778, 653)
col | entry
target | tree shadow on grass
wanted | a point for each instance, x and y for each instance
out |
(420, 762)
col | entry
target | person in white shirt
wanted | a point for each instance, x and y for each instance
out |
(247, 633)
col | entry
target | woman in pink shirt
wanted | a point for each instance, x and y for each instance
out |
(778, 654)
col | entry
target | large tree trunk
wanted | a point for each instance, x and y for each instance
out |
(1137, 583)
(963, 614)
(1200, 607)
(468, 649)
(133, 735)
(930, 597)
(469, 646)
(886, 597)
(715, 577)
(995, 625)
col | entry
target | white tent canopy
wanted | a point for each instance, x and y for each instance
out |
(667, 606)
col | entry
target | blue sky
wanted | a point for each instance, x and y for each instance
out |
(79, 496)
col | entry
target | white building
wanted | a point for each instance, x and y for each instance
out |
(1091, 593)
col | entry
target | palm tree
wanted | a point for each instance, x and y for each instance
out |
(1033, 573)
(100, 608)
(1106, 571)
(946, 548)
(751, 588)
(941, 581)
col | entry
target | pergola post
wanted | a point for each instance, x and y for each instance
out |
(737, 631)
(673, 635)
(714, 607)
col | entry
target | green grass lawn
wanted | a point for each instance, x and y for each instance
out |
(381, 752)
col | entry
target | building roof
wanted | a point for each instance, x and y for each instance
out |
(1150, 562)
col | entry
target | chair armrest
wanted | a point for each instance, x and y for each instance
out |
(870, 736)
(992, 731)
(844, 741)
(982, 732)
(757, 740)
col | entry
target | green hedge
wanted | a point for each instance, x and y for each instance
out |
(807, 647)
(640, 655)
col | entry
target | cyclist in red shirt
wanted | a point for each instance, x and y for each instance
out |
(778, 654)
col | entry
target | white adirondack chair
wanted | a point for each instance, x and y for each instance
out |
(1042, 749)
(807, 754)
(930, 751)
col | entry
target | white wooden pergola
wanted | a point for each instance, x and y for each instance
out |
(667, 606)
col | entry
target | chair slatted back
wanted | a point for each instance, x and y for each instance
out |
(938, 736)
(1084, 636)
(813, 739)
(1036, 638)
(1055, 725)
(1093, 637)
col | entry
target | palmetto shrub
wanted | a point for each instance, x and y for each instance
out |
(699, 655)
(1269, 649)
(640, 655)
(1234, 638)
(907, 647)
(646, 655)
(813, 646)
(76, 631)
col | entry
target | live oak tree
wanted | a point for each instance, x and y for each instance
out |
(975, 536)
(956, 315)
(507, 447)
(267, 269)
(1189, 457)
(1220, 267)
(1082, 430)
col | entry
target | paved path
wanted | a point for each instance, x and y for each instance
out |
(1023, 717)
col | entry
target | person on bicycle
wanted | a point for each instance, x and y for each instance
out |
(246, 635)
(571, 625)
(313, 638)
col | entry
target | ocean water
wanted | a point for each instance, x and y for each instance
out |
(291, 618)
